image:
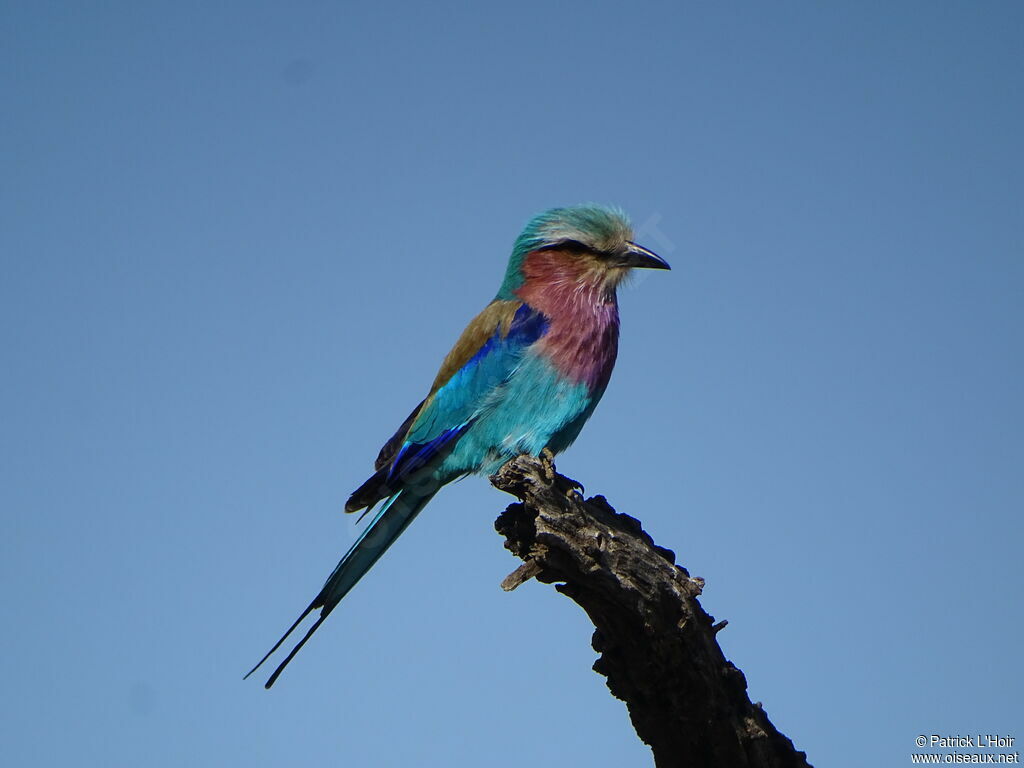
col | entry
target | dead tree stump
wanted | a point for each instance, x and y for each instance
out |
(657, 645)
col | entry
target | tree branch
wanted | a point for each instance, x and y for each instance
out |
(657, 645)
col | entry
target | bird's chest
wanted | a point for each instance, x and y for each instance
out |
(582, 345)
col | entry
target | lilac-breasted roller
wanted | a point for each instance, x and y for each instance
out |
(524, 376)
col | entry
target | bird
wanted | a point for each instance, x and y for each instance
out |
(523, 378)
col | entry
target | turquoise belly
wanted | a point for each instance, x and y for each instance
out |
(536, 408)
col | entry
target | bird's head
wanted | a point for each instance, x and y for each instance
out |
(593, 243)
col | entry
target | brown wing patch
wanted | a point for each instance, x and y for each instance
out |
(497, 314)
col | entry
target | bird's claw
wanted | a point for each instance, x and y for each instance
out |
(575, 485)
(547, 462)
(571, 488)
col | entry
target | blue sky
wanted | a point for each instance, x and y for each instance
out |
(237, 240)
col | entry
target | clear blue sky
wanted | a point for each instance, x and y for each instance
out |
(237, 239)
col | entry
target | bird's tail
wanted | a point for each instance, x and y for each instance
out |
(386, 526)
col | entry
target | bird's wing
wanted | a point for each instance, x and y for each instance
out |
(484, 356)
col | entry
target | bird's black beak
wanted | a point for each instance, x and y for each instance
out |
(638, 257)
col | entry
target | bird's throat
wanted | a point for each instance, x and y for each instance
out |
(577, 294)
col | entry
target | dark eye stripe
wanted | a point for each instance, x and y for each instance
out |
(567, 245)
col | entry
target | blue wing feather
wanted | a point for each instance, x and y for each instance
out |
(436, 425)
(449, 413)
(415, 456)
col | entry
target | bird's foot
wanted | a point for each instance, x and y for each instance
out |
(573, 486)
(566, 484)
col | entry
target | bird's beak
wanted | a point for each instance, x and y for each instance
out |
(639, 257)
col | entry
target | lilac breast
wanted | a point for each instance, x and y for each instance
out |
(582, 338)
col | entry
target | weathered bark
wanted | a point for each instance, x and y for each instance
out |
(657, 645)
